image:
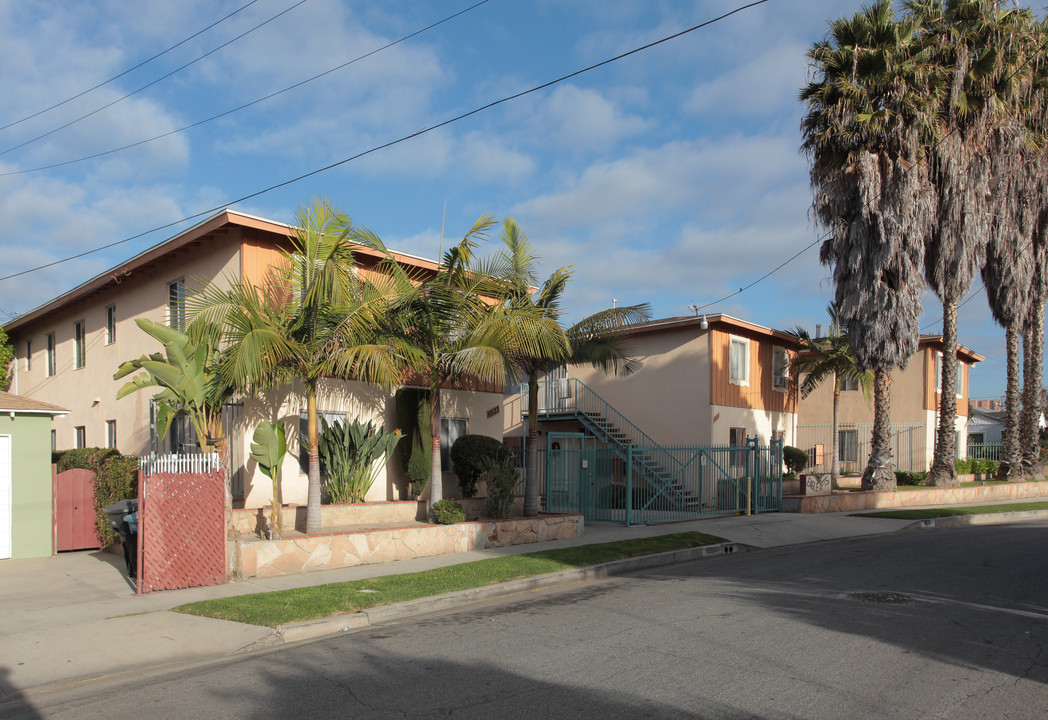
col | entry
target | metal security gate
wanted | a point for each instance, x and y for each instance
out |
(657, 484)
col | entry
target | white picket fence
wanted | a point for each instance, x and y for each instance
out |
(188, 463)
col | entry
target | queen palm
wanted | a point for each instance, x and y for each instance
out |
(312, 319)
(868, 114)
(824, 359)
(456, 329)
(599, 340)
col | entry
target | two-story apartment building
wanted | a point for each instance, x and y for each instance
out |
(700, 381)
(915, 394)
(67, 350)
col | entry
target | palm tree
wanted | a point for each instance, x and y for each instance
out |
(313, 319)
(599, 340)
(977, 52)
(829, 358)
(455, 328)
(868, 115)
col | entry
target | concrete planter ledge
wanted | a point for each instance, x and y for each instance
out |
(850, 501)
(253, 557)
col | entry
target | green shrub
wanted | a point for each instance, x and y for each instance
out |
(910, 478)
(964, 467)
(448, 512)
(795, 459)
(470, 455)
(500, 478)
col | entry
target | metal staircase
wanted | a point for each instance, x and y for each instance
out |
(659, 469)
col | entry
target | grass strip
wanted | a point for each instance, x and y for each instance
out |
(284, 606)
(940, 512)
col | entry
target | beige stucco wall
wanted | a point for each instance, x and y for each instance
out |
(358, 401)
(762, 423)
(90, 392)
(668, 396)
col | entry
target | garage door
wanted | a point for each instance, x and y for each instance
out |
(5, 496)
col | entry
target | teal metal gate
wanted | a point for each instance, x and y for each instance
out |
(657, 484)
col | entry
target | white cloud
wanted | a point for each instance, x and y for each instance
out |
(582, 119)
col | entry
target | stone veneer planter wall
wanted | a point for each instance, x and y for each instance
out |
(856, 501)
(248, 522)
(253, 557)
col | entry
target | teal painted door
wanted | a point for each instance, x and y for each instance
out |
(571, 474)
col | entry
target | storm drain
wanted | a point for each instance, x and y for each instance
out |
(885, 598)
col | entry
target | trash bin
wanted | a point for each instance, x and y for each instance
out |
(123, 518)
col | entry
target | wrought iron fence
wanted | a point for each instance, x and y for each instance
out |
(908, 443)
(984, 451)
(647, 485)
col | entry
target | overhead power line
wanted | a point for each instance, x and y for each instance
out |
(154, 82)
(130, 69)
(391, 143)
(253, 102)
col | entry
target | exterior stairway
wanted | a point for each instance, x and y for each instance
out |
(654, 467)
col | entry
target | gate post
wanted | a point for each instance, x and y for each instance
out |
(751, 501)
(629, 484)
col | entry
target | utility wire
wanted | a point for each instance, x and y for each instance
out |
(253, 102)
(130, 69)
(151, 84)
(391, 143)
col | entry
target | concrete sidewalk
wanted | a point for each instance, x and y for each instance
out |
(75, 618)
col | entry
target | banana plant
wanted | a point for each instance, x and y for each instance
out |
(268, 447)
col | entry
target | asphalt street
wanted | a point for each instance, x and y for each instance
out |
(947, 623)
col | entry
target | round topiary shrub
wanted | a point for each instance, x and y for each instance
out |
(471, 455)
(448, 512)
(795, 459)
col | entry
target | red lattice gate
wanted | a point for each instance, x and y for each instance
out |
(181, 531)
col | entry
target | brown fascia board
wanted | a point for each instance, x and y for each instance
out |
(962, 352)
(686, 321)
(214, 223)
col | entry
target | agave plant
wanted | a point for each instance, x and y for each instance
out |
(351, 455)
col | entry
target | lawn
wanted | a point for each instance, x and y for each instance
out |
(284, 606)
(940, 512)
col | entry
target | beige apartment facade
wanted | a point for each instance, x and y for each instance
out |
(915, 394)
(702, 381)
(67, 350)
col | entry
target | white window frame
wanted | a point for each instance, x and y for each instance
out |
(176, 304)
(28, 355)
(780, 376)
(80, 437)
(938, 375)
(79, 344)
(52, 358)
(734, 340)
(448, 438)
(110, 324)
(849, 383)
(852, 447)
(111, 434)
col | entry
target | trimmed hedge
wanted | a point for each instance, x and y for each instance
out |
(471, 455)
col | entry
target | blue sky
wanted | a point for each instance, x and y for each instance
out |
(672, 176)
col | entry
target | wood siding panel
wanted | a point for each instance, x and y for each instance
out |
(759, 394)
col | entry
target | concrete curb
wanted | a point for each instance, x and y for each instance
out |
(313, 629)
(985, 519)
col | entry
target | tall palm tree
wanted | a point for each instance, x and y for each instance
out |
(455, 327)
(312, 319)
(600, 340)
(829, 358)
(973, 72)
(868, 115)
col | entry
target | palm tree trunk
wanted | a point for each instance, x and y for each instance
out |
(313, 520)
(436, 477)
(835, 450)
(1033, 346)
(1011, 461)
(944, 463)
(879, 474)
(531, 481)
